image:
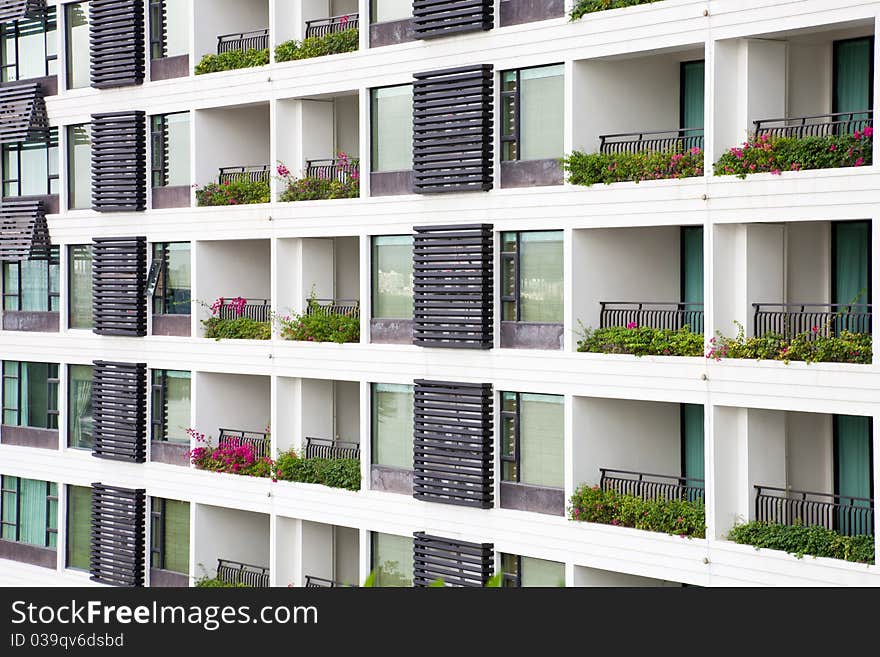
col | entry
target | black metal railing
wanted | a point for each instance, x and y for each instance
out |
(650, 486)
(851, 516)
(814, 319)
(255, 309)
(256, 40)
(258, 441)
(313, 582)
(817, 125)
(333, 307)
(324, 26)
(658, 140)
(670, 315)
(325, 448)
(254, 173)
(332, 169)
(235, 572)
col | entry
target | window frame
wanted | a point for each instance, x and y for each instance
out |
(516, 93)
(374, 152)
(511, 259)
(160, 298)
(158, 149)
(16, 148)
(71, 169)
(70, 264)
(49, 16)
(159, 409)
(157, 532)
(157, 32)
(511, 579)
(54, 259)
(50, 382)
(68, 507)
(50, 498)
(515, 458)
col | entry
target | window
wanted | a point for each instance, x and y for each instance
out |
(393, 425)
(79, 526)
(853, 78)
(79, 407)
(170, 406)
(532, 435)
(79, 166)
(530, 572)
(169, 134)
(169, 28)
(382, 11)
(393, 277)
(173, 287)
(391, 128)
(391, 559)
(31, 168)
(853, 467)
(28, 47)
(532, 277)
(80, 287)
(533, 113)
(76, 17)
(30, 394)
(32, 285)
(29, 511)
(169, 535)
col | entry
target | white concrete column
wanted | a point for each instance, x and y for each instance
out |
(726, 471)
(366, 428)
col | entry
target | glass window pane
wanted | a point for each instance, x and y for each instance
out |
(389, 10)
(79, 166)
(79, 511)
(9, 508)
(393, 277)
(391, 136)
(79, 407)
(176, 27)
(542, 109)
(35, 285)
(7, 52)
(541, 277)
(32, 512)
(540, 572)
(77, 42)
(35, 400)
(177, 282)
(177, 130)
(10, 392)
(177, 401)
(542, 427)
(81, 287)
(393, 425)
(10, 171)
(10, 286)
(392, 559)
(52, 539)
(31, 49)
(34, 169)
(177, 536)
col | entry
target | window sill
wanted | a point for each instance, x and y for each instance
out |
(31, 320)
(538, 499)
(168, 579)
(391, 331)
(531, 173)
(532, 335)
(170, 453)
(172, 325)
(29, 437)
(30, 554)
(391, 183)
(391, 479)
(172, 196)
(168, 68)
(391, 32)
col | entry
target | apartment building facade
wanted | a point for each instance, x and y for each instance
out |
(341, 229)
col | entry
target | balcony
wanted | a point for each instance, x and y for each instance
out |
(651, 487)
(316, 555)
(254, 40)
(791, 319)
(327, 448)
(669, 316)
(313, 582)
(677, 141)
(323, 26)
(850, 516)
(333, 169)
(234, 573)
(821, 125)
(258, 310)
(256, 440)
(349, 307)
(230, 547)
(231, 34)
(255, 173)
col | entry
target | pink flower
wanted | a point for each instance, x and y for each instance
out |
(615, 522)
(832, 148)
(776, 172)
(857, 135)
(815, 329)
(632, 325)
(869, 131)
(283, 171)
(859, 162)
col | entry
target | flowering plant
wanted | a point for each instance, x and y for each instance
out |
(237, 327)
(232, 457)
(236, 192)
(768, 154)
(641, 341)
(591, 168)
(346, 40)
(340, 181)
(320, 325)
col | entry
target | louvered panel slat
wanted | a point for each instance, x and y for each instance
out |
(119, 162)
(453, 286)
(24, 232)
(453, 130)
(119, 278)
(15, 10)
(117, 40)
(118, 535)
(453, 458)
(457, 563)
(23, 114)
(438, 18)
(119, 405)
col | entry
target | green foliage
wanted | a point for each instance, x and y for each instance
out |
(591, 168)
(801, 540)
(238, 192)
(240, 328)
(810, 347)
(329, 44)
(496, 581)
(583, 7)
(370, 582)
(213, 582)
(681, 517)
(228, 61)
(321, 326)
(766, 154)
(335, 473)
(318, 189)
(641, 341)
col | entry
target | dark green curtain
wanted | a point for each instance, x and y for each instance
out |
(693, 81)
(692, 264)
(852, 75)
(693, 447)
(853, 468)
(852, 266)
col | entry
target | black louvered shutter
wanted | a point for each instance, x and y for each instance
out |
(118, 535)
(14, 10)
(23, 115)
(119, 161)
(457, 563)
(119, 278)
(452, 130)
(24, 233)
(453, 458)
(119, 405)
(116, 37)
(453, 286)
(437, 18)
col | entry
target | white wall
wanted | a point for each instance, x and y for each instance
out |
(287, 432)
(317, 408)
(627, 95)
(317, 269)
(809, 78)
(808, 262)
(347, 405)
(347, 259)
(216, 17)
(347, 125)
(288, 552)
(729, 500)
(593, 577)
(229, 269)
(810, 451)
(231, 401)
(228, 534)
(347, 553)
(624, 264)
(766, 442)
(766, 62)
(317, 130)
(317, 550)
(230, 137)
(625, 435)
